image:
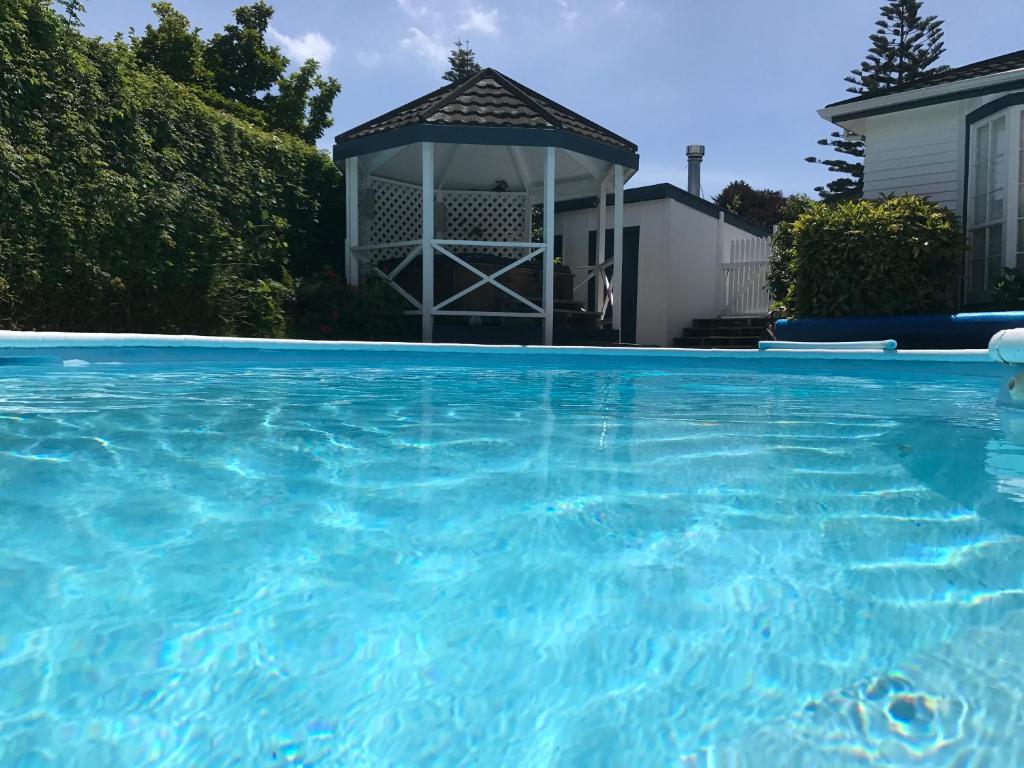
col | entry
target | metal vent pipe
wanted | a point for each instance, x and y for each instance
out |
(694, 156)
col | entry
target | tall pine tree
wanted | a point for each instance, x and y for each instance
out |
(904, 46)
(461, 63)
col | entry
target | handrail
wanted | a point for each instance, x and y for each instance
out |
(381, 246)
(490, 244)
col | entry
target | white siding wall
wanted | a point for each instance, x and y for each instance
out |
(916, 152)
(919, 151)
(679, 276)
(574, 227)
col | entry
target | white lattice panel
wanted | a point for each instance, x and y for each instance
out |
(495, 216)
(394, 214)
(394, 211)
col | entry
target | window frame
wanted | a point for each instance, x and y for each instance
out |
(1012, 185)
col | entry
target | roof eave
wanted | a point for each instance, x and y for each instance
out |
(485, 135)
(842, 112)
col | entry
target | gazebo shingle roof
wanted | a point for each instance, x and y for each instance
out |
(488, 99)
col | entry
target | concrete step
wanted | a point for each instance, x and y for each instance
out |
(731, 322)
(717, 330)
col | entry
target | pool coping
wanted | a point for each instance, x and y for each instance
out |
(51, 340)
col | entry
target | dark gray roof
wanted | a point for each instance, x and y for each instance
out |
(486, 100)
(667, 192)
(1005, 63)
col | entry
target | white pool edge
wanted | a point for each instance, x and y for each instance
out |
(23, 340)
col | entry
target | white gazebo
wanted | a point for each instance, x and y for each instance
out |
(451, 180)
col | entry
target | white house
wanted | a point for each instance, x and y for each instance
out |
(956, 137)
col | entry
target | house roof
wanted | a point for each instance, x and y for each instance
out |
(668, 192)
(487, 108)
(1005, 63)
(956, 81)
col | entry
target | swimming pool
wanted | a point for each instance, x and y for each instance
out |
(376, 558)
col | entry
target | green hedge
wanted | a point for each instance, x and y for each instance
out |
(900, 255)
(129, 203)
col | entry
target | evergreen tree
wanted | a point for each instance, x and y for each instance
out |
(904, 46)
(173, 46)
(461, 63)
(241, 63)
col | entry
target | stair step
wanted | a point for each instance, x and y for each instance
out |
(730, 322)
(586, 337)
(700, 333)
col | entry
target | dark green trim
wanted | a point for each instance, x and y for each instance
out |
(929, 101)
(666, 192)
(987, 110)
(487, 135)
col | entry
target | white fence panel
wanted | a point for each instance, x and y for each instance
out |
(745, 273)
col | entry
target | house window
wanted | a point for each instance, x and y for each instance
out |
(995, 213)
(1020, 195)
(988, 207)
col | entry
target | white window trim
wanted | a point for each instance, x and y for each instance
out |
(1016, 148)
(1011, 184)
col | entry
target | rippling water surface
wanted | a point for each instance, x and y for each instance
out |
(386, 564)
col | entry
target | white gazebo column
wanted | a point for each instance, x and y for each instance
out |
(601, 253)
(617, 249)
(427, 184)
(351, 219)
(549, 247)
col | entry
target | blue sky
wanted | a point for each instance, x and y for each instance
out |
(743, 77)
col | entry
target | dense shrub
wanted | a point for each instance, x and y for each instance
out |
(900, 255)
(326, 307)
(129, 203)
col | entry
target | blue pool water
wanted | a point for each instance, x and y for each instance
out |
(455, 561)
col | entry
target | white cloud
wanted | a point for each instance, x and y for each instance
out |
(483, 20)
(369, 59)
(311, 45)
(422, 44)
(618, 7)
(568, 13)
(412, 10)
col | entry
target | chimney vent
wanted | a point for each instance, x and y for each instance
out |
(694, 156)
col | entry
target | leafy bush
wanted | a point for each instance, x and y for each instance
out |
(129, 203)
(1009, 290)
(326, 307)
(900, 255)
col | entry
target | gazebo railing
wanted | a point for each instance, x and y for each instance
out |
(363, 255)
(534, 249)
(592, 271)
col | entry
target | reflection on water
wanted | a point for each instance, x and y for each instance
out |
(408, 564)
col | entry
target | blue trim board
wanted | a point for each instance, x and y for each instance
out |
(968, 330)
(487, 135)
(666, 192)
